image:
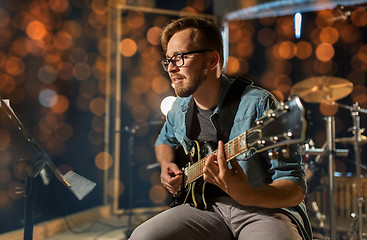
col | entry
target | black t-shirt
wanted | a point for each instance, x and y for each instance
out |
(202, 129)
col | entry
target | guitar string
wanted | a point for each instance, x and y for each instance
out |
(197, 168)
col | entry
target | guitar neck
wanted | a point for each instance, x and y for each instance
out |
(232, 149)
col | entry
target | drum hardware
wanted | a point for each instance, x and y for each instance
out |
(318, 90)
(355, 110)
(330, 136)
(321, 152)
(350, 140)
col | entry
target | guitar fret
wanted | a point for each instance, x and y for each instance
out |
(231, 149)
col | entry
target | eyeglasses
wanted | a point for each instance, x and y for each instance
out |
(178, 59)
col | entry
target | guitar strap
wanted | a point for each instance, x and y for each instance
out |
(230, 107)
(228, 110)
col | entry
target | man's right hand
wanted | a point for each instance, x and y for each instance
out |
(171, 177)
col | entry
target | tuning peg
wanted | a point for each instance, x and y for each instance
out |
(270, 113)
(274, 139)
(288, 135)
(284, 106)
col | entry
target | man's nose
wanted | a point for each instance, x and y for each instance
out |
(172, 67)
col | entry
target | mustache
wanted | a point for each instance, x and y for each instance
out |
(177, 76)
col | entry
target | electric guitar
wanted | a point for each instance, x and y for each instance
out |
(281, 127)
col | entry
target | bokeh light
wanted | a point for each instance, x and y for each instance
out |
(127, 47)
(286, 49)
(140, 113)
(324, 52)
(158, 194)
(153, 35)
(160, 85)
(245, 48)
(328, 108)
(103, 160)
(36, 30)
(47, 74)
(48, 97)
(135, 19)
(62, 40)
(82, 71)
(329, 35)
(303, 50)
(14, 66)
(166, 104)
(233, 65)
(97, 106)
(115, 186)
(99, 6)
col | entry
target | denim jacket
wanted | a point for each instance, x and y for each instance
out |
(260, 169)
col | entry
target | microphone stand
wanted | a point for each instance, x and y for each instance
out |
(131, 131)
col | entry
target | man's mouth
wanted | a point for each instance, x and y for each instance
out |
(176, 80)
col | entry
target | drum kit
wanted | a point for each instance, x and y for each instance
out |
(328, 89)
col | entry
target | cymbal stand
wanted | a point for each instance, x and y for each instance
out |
(359, 197)
(330, 135)
(358, 222)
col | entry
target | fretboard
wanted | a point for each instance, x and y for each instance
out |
(232, 149)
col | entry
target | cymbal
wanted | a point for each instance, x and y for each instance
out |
(350, 140)
(318, 89)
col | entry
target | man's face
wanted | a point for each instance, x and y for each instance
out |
(187, 78)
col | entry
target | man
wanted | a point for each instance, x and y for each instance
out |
(253, 197)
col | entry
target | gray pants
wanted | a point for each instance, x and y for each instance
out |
(224, 219)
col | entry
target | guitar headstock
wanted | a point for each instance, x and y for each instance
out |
(283, 126)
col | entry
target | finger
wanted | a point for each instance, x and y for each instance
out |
(173, 169)
(222, 163)
(211, 166)
(235, 165)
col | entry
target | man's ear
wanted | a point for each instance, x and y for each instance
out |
(214, 60)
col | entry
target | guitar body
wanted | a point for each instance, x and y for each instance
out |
(194, 192)
(278, 128)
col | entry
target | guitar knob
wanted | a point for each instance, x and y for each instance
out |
(274, 155)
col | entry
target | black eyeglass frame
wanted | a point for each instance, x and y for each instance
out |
(165, 62)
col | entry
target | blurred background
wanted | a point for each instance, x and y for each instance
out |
(84, 77)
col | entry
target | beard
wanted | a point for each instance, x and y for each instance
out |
(188, 87)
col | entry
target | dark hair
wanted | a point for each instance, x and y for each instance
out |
(208, 33)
